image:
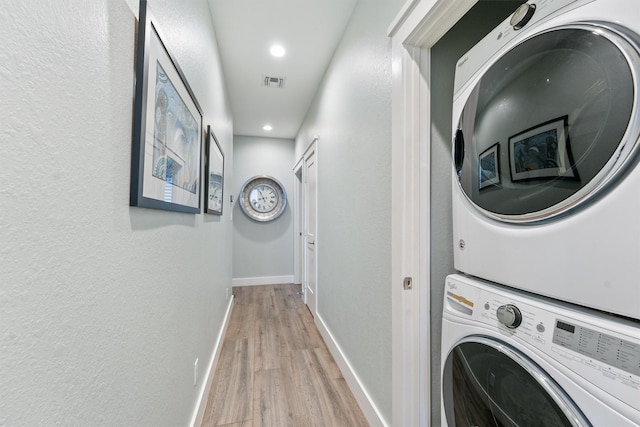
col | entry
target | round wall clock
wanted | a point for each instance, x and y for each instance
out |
(262, 198)
(215, 194)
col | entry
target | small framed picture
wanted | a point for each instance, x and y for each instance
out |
(167, 128)
(489, 167)
(214, 175)
(542, 151)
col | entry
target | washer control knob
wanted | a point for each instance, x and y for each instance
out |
(509, 315)
(522, 15)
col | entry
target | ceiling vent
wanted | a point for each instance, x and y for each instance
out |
(274, 82)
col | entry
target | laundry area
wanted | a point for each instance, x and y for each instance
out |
(540, 315)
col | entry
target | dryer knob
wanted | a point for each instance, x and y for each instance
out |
(509, 315)
(522, 16)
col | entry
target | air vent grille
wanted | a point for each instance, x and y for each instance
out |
(274, 82)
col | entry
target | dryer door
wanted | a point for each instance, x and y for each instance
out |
(488, 383)
(550, 123)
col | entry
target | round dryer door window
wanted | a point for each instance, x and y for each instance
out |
(551, 123)
(486, 383)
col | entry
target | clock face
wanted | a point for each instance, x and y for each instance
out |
(214, 204)
(262, 198)
(215, 196)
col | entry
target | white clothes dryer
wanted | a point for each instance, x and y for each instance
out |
(513, 359)
(546, 193)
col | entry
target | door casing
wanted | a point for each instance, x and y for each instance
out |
(298, 222)
(418, 26)
(301, 234)
(311, 228)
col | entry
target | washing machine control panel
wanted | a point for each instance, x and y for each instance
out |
(515, 318)
(509, 315)
(599, 348)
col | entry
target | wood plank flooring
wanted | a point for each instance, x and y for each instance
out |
(275, 369)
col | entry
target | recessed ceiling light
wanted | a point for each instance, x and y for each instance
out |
(277, 50)
(267, 127)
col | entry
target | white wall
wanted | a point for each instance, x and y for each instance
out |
(262, 251)
(351, 114)
(104, 307)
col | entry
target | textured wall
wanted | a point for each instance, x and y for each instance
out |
(351, 114)
(104, 307)
(262, 249)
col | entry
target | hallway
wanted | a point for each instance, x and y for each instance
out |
(106, 298)
(275, 369)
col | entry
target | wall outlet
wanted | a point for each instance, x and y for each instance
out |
(195, 372)
(226, 293)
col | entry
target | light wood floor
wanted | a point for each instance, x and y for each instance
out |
(275, 369)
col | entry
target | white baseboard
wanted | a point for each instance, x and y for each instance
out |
(256, 281)
(198, 413)
(371, 412)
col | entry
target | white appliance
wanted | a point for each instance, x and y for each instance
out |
(546, 193)
(513, 359)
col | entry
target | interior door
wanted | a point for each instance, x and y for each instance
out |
(298, 225)
(310, 247)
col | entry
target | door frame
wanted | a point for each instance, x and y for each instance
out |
(312, 150)
(418, 26)
(300, 227)
(298, 222)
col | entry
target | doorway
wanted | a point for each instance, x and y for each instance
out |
(310, 219)
(306, 225)
(298, 224)
(421, 189)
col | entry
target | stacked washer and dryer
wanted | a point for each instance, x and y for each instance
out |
(542, 325)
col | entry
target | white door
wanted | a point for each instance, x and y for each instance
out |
(310, 251)
(298, 224)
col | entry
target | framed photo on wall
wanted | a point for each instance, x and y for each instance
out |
(489, 167)
(214, 175)
(167, 128)
(542, 151)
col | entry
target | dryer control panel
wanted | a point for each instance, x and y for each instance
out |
(504, 33)
(602, 349)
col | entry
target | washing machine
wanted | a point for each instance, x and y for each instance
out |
(546, 192)
(510, 358)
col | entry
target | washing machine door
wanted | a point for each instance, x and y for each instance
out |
(551, 124)
(488, 383)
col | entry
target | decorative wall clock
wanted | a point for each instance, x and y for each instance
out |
(262, 198)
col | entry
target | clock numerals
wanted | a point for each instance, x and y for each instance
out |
(263, 198)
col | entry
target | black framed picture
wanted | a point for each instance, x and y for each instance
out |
(167, 128)
(542, 151)
(214, 175)
(489, 167)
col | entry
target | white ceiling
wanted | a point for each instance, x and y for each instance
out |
(309, 30)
